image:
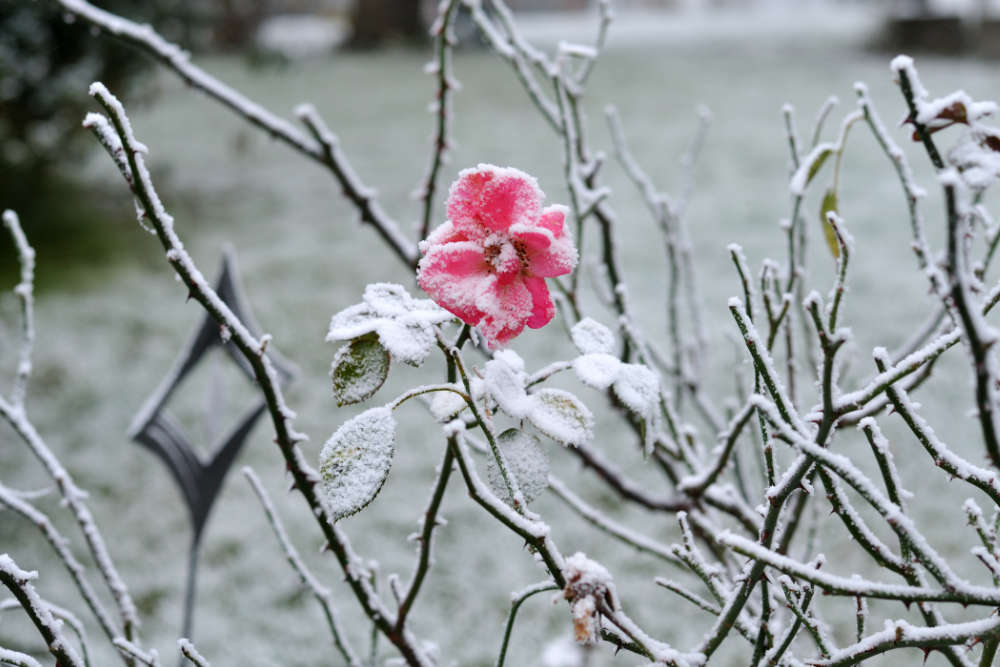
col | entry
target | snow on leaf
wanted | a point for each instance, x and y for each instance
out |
(592, 337)
(409, 342)
(351, 323)
(445, 405)
(638, 388)
(504, 379)
(359, 369)
(526, 460)
(405, 326)
(561, 416)
(810, 167)
(355, 462)
(597, 370)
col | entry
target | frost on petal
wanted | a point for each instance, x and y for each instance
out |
(444, 233)
(526, 461)
(542, 308)
(351, 323)
(407, 342)
(359, 369)
(589, 587)
(558, 259)
(638, 388)
(355, 462)
(561, 416)
(531, 237)
(553, 218)
(510, 196)
(453, 275)
(591, 337)
(464, 200)
(506, 386)
(506, 309)
(597, 370)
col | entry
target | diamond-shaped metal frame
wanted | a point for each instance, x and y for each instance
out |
(199, 479)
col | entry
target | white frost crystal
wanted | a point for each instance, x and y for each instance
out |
(561, 416)
(589, 588)
(355, 462)
(592, 337)
(526, 460)
(405, 326)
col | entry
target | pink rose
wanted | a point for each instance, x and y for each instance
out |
(488, 263)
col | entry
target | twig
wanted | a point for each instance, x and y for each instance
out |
(322, 594)
(19, 583)
(516, 600)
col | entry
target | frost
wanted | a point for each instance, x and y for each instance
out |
(638, 388)
(504, 380)
(597, 370)
(561, 416)
(592, 337)
(355, 462)
(405, 326)
(589, 588)
(359, 369)
(445, 405)
(526, 460)
(635, 385)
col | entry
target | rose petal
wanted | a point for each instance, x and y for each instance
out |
(465, 200)
(509, 197)
(558, 259)
(506, 308)
(534, 239)
(542, 309)
(453, 275)
(553, 219)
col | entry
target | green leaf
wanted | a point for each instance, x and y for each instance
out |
(355, 462)
(830, 205)
(526, 461)
(359, 369)
(561, 416)
(817, 163)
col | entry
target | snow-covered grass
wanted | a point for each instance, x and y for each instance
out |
(103, 345)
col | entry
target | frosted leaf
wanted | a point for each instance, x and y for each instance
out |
(526, 461)
(638, 388)
(359, 369)
(409, 343)
(387, 299)
(405, 326)
(355, 462)
(809, 167)
(597, 370)
(506, 385)
(561, 416)
(351, 323)
(445, 405)
(591, 337)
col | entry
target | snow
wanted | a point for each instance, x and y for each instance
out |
(561, 416)
(405, 326)
(597, 370)
(355, 462)
(592, 337)
(504, 380)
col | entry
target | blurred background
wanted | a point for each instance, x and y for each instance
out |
(111, 319)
